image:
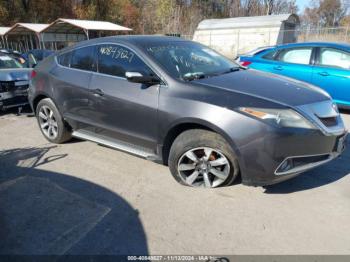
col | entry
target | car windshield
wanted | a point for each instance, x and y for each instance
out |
(9, 62)
(189, 60)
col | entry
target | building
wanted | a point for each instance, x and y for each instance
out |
(65, 32)
(232, 36)
(61, 33)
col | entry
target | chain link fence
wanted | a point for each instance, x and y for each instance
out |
(241, 41)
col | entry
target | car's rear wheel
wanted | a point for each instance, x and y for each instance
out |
(51, 123)
(200, 158)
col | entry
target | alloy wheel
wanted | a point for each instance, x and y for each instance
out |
(48, 122)
(203, 167)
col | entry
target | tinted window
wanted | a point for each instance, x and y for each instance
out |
(84, 58)
(116, 60)
(64, 59)
(296, 56)
(334, 58)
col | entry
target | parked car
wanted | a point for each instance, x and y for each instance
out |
(180, 103)
(15, 55)
(326, 65)
(253, 52)
(14, 80)
(34, 56)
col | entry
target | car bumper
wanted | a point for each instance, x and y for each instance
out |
(13, 99)
(286, 155)
(269, 155)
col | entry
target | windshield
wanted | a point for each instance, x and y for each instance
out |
(189, 60)
(8, 62)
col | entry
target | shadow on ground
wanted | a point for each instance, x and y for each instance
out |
(48, 213)
(23, 110)
(320, 176)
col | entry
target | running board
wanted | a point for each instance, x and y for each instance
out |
(117, 144)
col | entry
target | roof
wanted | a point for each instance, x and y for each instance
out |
(135, 40)
(321, 44)
(26, 28)
(3, 30)
(62, 25)
(248, 21)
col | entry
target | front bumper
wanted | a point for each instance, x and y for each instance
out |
(272, 155)
(13, 99)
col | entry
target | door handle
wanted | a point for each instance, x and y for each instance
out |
(323, 73)
(97, 92)
(278, 68)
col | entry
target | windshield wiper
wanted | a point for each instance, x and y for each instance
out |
(193, 76)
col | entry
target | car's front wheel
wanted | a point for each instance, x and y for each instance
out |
(51, 123)
(200, 158)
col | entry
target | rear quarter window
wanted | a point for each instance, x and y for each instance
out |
(64, 59)
(270, 55)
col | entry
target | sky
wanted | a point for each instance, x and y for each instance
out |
(302, 4)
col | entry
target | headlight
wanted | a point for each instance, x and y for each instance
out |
(281, 117)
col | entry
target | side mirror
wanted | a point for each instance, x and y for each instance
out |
(137, 77)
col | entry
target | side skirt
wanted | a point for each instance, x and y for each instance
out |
(117, 144)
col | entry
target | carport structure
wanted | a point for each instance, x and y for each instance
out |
(3, 31)
(24, 36)
(64, 32)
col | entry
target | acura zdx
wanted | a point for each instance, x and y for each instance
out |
(181, 104)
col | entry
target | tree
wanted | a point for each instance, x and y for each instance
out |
(328, 13)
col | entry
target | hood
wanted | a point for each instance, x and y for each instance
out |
(15, 74)
(268, 86)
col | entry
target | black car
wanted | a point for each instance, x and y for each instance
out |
(14, 80)
(180, 103)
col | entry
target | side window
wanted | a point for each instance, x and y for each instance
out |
(84, 58)
(116, 60)
(270, 55)
(296, 55)
(334, 58)
(64, 59)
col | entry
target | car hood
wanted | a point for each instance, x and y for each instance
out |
(268, 86)
(15, 74)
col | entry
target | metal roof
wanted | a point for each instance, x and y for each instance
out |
(26, 28)
(246, 22)
(3, 30)
(75, 26)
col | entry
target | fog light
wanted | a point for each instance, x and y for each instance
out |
(286, 165)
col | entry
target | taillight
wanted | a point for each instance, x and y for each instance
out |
(32, 74)
(245, 63)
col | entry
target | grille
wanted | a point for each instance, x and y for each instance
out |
(10, 86)
(7, 86)
(329, 121)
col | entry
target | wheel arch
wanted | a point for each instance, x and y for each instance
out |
(179, 127)
(37, 99)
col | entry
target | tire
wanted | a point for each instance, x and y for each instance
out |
(210, 150)
(59, 132)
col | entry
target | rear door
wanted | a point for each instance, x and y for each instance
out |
(332, 73)
(294, 62)
(71, 80)
(123, 110)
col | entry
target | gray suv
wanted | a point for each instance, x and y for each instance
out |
(182, 104)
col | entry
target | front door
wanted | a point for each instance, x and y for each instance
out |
(123, 110)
